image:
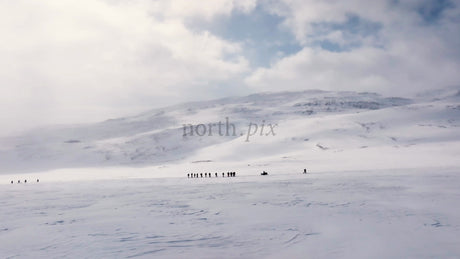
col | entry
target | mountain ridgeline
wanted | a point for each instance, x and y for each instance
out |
(157, 136)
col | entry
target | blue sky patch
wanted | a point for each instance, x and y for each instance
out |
(264, 39)
(353, 30)
(431, 11)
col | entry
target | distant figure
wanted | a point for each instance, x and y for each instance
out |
(228, 174)
(210, 175)
(216, 174)
(223, 174)
(201, 175)
(38, 180)
(11, 182)
(19, 181)
(304, 171)
(25, 181)
(234, 174)
(264, 173)
(188, 175)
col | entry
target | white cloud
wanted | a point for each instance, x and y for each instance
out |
(76, 61)
(405, 57)
(365, 69)
(62, 57)
(206, 9)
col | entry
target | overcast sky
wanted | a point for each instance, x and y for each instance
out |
(64, 61)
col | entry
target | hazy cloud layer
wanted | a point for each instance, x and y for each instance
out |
(77, 61)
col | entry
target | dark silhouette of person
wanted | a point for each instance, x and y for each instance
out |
(11, 182)
(25, 181)
(304, 171)
(38, 180)
(223, 174)
(19, 181)
(188, 175)
(201, 175)
(216, 174)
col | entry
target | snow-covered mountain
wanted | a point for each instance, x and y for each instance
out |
(319, 128)
(382, 181)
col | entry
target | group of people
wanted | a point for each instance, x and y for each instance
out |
(206, 175)
(229, 174)
(25, 181)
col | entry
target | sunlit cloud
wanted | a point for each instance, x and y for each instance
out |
(68, 61)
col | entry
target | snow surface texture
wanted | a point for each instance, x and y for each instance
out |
(369, 214)
(383, 181)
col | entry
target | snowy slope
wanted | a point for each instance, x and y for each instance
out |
(383, 181)
(313, 126)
